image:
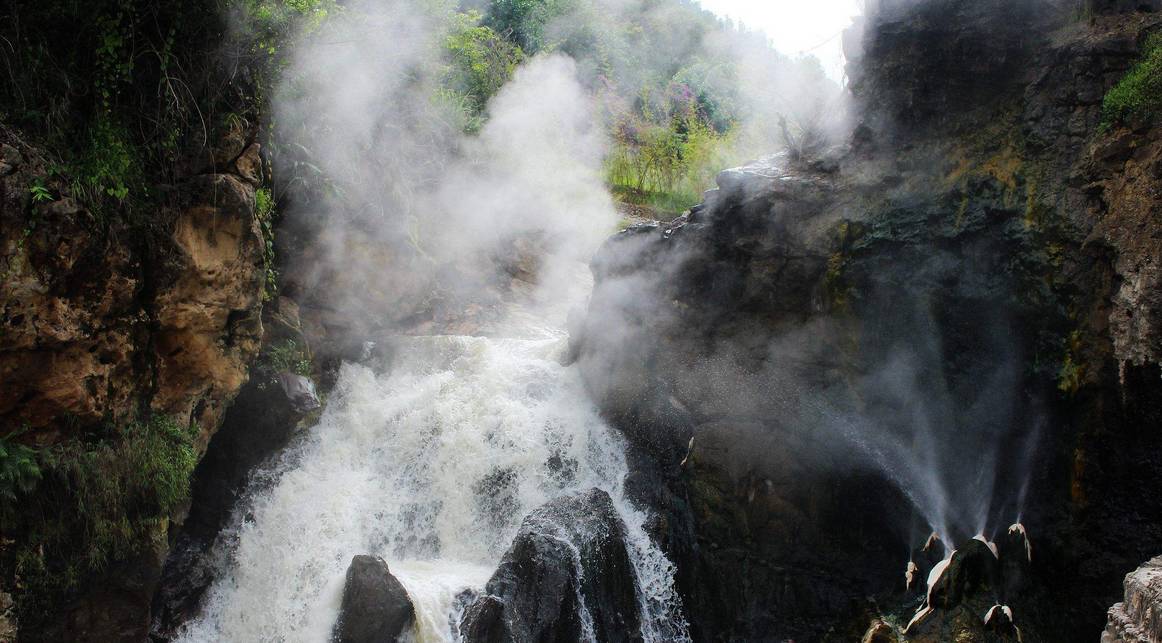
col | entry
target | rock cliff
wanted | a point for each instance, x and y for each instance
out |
(106, 324)
(959, 292)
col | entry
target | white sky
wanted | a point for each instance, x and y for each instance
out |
(796, 26)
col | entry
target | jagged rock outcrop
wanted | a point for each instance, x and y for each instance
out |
(567, 577)
(1138, 618)
(98, 321)
(376, 608)
(970, 248)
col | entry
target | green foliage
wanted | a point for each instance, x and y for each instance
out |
(1138, 95)
(108, 168)
(523, 21)
(19, 473)
(39, 191)
(481, 61)
(666, 166)
(264, 212)
(272, 24)
(286, 356)
(97, 502)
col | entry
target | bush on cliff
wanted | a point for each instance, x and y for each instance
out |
(1137, 96)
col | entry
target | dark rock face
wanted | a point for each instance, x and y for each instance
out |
(965, 601)
(968, 261)
(567, 577)
(375, 608)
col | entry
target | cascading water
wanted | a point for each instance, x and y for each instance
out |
(430, 459)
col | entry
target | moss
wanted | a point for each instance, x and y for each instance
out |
(96, 503)
(1138, 95)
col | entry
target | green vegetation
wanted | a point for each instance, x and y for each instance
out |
(1138, 95)
(19, 473)
(480, 63)
(264, 211)
(286, 356)
(80, 505)
(665, 165)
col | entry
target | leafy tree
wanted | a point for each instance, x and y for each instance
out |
(481, 61)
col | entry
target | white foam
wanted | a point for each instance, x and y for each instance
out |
(430, 463)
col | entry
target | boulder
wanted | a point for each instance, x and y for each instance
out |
(567, 577)
(483, 622)
(300, 392)
(376, 608)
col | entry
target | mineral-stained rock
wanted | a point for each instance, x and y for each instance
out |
(1138, 619)
(568, 570)
(376, 608)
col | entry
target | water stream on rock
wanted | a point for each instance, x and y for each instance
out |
(429, 458)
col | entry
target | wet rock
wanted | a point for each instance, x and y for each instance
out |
(1016, 557)
(483, 622)
(376, 608)
(261, 420)
(999, 621)
(972, 570)
(1138, 619)
(568, 570)
(300, 392)
(879, 632)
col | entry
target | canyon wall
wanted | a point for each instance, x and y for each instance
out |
(954, 310)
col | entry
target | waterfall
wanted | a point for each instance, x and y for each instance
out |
(429, 457)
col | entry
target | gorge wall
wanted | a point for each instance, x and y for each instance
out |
(947, 324)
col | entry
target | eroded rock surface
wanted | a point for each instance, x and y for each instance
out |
(1138, 618)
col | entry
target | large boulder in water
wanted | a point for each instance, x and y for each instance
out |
(567, 577)
(376, 608)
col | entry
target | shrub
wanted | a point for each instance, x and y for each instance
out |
(1138, 95)
(481, 61)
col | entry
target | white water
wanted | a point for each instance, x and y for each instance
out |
(431, 462)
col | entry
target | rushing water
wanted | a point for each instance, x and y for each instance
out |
(429, 459)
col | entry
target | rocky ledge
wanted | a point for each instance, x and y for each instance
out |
(1138, 619)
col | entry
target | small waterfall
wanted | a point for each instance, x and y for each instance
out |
(429, 459)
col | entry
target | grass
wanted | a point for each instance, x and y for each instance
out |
(1138, 95)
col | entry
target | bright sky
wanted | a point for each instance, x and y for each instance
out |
(796, 26)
